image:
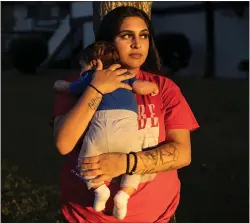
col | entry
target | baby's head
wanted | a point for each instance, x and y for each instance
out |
(102, 50)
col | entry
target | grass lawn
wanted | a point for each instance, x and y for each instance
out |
(214, 186)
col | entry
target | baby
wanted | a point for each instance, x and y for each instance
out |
(114, 127)
(101, 49)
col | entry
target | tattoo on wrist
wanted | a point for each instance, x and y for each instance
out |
(154, 159)
(94, 103)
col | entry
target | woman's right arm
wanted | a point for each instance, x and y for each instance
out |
(70, 128)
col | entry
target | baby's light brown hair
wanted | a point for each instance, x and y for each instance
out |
(102, 50)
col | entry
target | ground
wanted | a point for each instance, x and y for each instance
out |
(214, 186)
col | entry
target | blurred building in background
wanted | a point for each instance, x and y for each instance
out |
(216, 33)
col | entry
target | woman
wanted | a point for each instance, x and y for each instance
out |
(166, 119)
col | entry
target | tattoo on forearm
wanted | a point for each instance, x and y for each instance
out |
(150, 158)
(94, 103)
(168, 155)
(153, 160)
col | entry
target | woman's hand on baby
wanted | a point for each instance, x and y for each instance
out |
(108, 80)
(104, 167)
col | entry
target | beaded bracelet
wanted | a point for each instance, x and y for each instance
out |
(128, 163)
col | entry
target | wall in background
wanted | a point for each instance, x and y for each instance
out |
(231, 39)
(195, 33)
(231, 35)
(232, 44)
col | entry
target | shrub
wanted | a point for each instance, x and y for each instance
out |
(28, 52)
(174, 49)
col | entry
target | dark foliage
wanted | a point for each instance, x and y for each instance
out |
(175, 50)
(27, 53)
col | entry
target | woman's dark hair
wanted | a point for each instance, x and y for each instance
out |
(110, 28)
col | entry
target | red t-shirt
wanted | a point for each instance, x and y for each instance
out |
(154, 201)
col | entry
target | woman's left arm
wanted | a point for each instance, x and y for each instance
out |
(170, 156)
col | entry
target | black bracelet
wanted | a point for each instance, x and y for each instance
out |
(135, 163)
(95, 89)
(128, 164)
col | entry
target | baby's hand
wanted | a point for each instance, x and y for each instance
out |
(145, 88)
(155, 92)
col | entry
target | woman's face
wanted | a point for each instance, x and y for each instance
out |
(132, 43)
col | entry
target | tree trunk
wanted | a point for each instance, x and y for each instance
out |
(100, 9)
(210, 46)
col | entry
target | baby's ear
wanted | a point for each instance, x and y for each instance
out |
(93, 64)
